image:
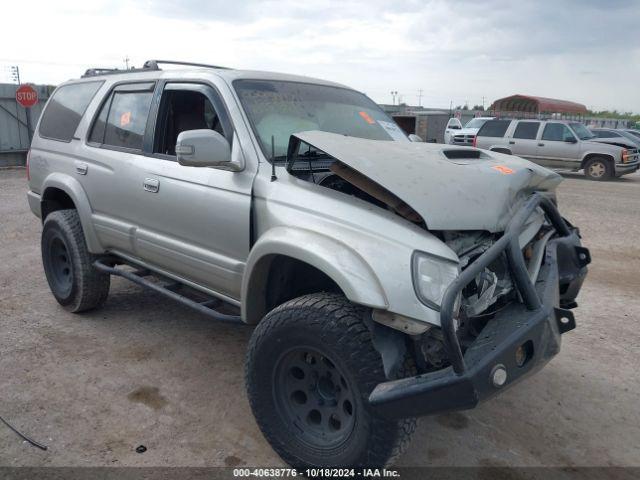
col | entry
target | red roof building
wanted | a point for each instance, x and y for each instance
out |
(530, 104)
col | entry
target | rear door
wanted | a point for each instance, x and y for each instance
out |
(558, 147)
(114, 146)
(193, 222)
(523, 141)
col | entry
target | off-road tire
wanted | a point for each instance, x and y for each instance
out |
(75, 284)
(598, 168)
(329, 324)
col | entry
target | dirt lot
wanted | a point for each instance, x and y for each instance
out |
(144, 370)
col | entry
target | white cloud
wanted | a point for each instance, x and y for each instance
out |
(586, 51)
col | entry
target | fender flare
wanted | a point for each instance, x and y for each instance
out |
(75, 191)
(337, 260)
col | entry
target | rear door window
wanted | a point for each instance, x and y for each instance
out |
(526, 130)
(557, 132)
(65, 110)
(122, 121)
(494, 128)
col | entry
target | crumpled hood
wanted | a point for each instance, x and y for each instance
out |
(450, 194)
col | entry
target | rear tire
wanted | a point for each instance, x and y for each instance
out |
(75, 284)
(310, 368)
(598, 168)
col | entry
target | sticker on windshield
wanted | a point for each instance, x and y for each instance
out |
(392, 129)
(367, 118)
(503, 169)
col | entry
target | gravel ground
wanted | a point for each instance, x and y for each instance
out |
(146, 371)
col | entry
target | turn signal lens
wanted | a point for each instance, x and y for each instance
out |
(625, 155)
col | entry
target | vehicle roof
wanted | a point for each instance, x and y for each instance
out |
(228, 74)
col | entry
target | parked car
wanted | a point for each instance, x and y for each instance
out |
(558, 144)
(614, 136)
(387, 279)
(456, 135)
(634, 132)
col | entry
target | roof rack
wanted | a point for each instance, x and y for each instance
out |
(149, 65)
(153, 64)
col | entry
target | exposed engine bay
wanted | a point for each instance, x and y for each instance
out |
(492, 289)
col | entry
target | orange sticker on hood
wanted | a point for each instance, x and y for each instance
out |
(503, 169)
(367, 118)
(125, 119)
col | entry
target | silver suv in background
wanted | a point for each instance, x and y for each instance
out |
(558, 144)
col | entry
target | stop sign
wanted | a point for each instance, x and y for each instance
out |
(26, 96)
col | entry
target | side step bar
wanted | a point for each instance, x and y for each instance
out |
(137, 277)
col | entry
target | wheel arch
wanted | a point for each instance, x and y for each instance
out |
(288, 251)
(59, 192)
(589, 156)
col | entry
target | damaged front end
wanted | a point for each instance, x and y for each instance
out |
(501, 318)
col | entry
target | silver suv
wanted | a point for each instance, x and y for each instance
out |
(558, 144)
(387, 279)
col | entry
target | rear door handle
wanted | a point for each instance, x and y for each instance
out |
(81, 168)
(151, 185)
(541, 144)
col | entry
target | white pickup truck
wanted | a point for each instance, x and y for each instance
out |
(455, 134)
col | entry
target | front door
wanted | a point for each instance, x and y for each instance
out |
(558, 147)
(196, 221)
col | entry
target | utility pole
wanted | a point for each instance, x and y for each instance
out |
(483, 102)
(393, 96)
(126, 62)
(15, 76)
(420, 97)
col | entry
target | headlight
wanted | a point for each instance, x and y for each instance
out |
(431, 277)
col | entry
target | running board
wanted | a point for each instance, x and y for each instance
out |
(168, 291)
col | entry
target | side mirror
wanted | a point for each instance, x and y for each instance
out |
(415, 138)
(571, 140)
(205, 148)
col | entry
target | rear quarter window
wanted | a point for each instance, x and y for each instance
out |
(65, 110)
(494, 128)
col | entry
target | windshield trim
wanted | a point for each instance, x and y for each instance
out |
(254, 131)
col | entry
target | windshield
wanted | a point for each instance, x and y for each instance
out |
(476, 122)
(278, 109)
(581, 131)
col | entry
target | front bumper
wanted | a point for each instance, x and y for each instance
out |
(535, 325)
(625, 168)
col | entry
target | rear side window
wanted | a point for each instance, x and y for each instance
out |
(123, 117)
(526, 130)
(494, 128)
(65, 110)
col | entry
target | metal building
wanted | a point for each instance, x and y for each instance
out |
(15, 137)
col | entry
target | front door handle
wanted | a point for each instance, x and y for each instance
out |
(541, 144)
(151, 185)
(511, 142)
(81, 168)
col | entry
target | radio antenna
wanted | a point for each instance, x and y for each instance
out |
(273, 160)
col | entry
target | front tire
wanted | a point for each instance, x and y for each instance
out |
(310, 368)
(598, 168)
(75, 284)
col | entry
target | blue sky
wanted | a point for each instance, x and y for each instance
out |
(454, 51)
